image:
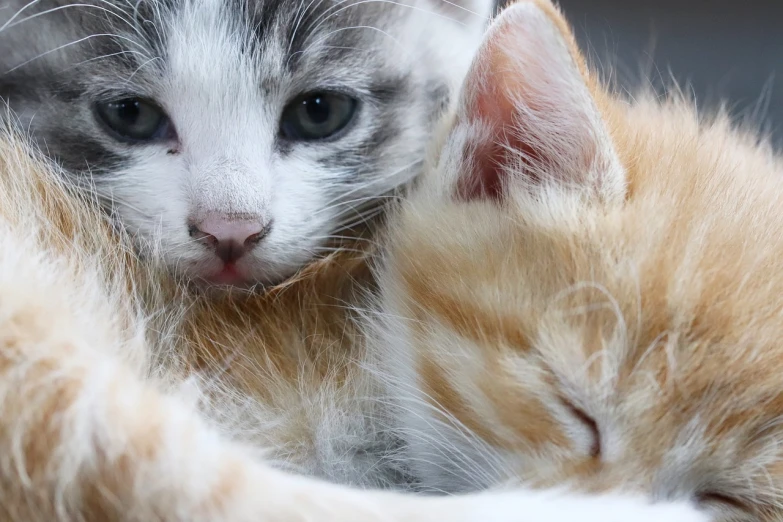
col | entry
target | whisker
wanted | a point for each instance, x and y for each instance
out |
(11, 23)
(140, 67)
(326, 17)
(101, 57)
(370, 27)
(75, 42)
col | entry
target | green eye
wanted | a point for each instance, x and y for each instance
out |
(135, 119)
(317, 115)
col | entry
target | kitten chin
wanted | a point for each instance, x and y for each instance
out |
(240, 138)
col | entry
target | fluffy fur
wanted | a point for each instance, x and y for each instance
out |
(587, 289)
(97, 422)
(223, 71)
(499, 360)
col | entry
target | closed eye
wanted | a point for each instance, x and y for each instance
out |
(589, 423)
(722, 500)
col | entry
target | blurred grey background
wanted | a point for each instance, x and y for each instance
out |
(725, 50)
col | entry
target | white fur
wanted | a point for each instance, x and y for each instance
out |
(226, 104)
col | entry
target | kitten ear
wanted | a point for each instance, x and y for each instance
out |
(530, 111)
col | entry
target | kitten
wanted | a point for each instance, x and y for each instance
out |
(587, 290)
(236, 140)
(88, 435)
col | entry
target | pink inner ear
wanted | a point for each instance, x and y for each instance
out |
(501, 148)
(485, 181)
(491, 163)
(491, 87)
(530, 114)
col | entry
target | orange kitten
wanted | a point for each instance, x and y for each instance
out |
(588, 290)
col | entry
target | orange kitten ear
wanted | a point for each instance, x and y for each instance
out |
(530, 113)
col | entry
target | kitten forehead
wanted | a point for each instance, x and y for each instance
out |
(121, 39)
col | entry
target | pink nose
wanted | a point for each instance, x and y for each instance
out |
(229, 237)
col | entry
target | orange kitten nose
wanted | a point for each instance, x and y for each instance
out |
(230, 238)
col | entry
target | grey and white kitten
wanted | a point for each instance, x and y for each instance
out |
(236, 137)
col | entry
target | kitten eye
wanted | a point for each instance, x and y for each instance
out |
(134, 119)
(721, 499)
(317, 115)
(589, 423)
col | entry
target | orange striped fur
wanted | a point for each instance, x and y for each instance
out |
(588, 290)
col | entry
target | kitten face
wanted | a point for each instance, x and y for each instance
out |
(235, 138)
(588, 291)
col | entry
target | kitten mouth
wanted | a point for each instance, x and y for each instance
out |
(229, 275)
